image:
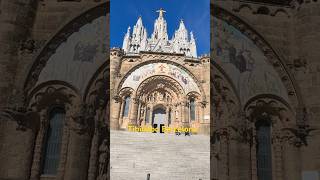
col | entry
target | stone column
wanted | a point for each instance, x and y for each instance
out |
(139, 110)
(134, 111)
(173, 114)
(253, 158)
(115, 113)
(37, 153)
(93, 160)
(167, 114)
(143, 115)
(186, 121)
(121, 113)
(115, 64)
(79, 145)
(181, 113)
(150, 115)
(202, 112)
(277, 154)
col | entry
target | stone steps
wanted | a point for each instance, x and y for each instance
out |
(164, 156)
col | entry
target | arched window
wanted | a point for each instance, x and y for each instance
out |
(148, 115)
(52, 145)
(126, 106)
(263, 150)
(192, 110)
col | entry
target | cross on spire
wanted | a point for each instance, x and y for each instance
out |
(161, 11)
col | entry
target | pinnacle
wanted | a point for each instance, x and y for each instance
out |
(139, 21)
(182, 26)
(161, 11)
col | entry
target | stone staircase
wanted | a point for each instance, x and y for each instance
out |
(164, 156)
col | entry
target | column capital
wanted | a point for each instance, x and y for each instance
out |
(117, 98)
(203, 104)
(81, 118)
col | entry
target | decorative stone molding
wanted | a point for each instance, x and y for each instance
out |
(52, 93)
(125, 92)
(263, 9)
(25, 118)
(175, 86)
(161, 61)
(62, 35)
(82, 118)
(297, 136)
(272, 56)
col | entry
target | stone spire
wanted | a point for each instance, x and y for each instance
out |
(138, 40)
(193, 47)
(181, 34)
(159, 42)
(126, 41)
(181, 43)
(159, 34)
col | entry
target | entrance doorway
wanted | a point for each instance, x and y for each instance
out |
(159, 116)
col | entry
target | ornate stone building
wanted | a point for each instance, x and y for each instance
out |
(54, 89)
(159, 81)
(265, 84)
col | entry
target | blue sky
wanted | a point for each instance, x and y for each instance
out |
(195, 13)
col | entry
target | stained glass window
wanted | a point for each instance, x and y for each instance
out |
(51, 151)
(264, 156)
(126, 106)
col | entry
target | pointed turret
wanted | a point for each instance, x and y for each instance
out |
(181, 42)
(138, 39)
(181, 25)
(126, 41)
(138, 30)
(181, 34)
(193, 47)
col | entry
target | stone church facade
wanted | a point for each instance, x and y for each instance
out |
(263, 100)
(158, 80)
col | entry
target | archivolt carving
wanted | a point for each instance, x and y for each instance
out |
(97, 93)
(145, 86)
(285, 128)
(161, 61)
(224, 97)
(193, 94)
(127, 91)
(272, 56)
(269, 105)
(61, 36)
(52, 93)
(96, 107)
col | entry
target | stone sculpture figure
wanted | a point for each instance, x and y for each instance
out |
(103, 160)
